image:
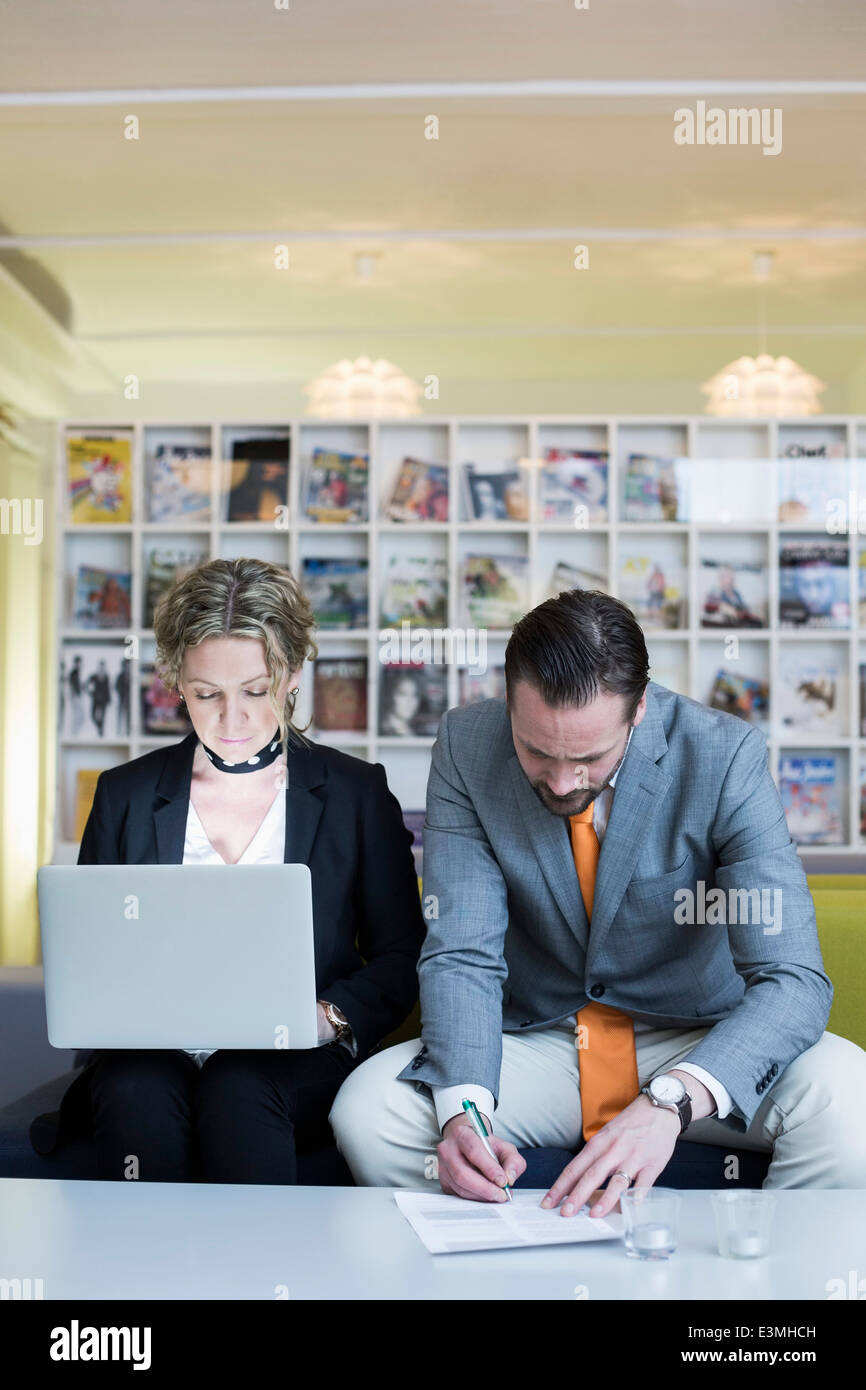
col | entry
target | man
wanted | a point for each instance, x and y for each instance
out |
(574, 835)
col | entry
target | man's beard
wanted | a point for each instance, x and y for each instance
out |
(570, 805)
(574, 802)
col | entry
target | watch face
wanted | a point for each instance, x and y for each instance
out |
(668, 1089)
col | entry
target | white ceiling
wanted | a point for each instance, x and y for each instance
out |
(160, 43)
(668, 298)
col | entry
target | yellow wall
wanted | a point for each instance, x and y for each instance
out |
(27, 702)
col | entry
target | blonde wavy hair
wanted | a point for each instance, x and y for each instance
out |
(239, 598)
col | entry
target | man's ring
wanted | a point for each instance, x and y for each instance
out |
(620, 1174)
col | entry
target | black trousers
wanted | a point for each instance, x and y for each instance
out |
(158, 1117)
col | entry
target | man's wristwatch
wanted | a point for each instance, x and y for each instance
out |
(669, 1093)
(337, 1021)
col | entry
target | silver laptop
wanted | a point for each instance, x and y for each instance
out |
(178, 955)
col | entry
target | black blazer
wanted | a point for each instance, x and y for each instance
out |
(341, 820)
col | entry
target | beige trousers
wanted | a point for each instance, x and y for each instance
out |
(812, 1119)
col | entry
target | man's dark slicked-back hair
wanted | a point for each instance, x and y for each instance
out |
(572, 647)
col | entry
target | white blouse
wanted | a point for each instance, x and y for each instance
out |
(266, 847)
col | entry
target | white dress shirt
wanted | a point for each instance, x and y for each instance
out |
(266, 847)
(449, 1099)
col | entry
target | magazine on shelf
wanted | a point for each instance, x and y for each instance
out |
(412, 699)
(813, 584)
(415, 590)
(494, 590)
(162, 710)
(861, 671)
(99, 478)
(165, 566)
(86, 779)
(102, 597)
(420, 493)
(655, 593)
(862, 799)
(811, 799)
(179, 481)
(651, 490)
(834, 450)
(337, 487)
(569, 478)
(734, 593)
(805, 486)
(745, 696)
(567, 577)
(337, 590)
(495, 495)
(340, 693)
(93, 692)
(256, 480)
(808, 697)
(861, 589)
(474, 686)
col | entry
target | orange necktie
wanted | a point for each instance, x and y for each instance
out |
(608, 1063)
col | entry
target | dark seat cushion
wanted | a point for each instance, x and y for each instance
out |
(76, 1156)
(690, 1166)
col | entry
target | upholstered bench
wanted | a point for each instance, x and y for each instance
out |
(692, 1165)
(841, 915)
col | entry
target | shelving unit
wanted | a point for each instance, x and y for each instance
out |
(732, 468)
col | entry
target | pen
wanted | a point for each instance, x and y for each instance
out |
(478, 1125)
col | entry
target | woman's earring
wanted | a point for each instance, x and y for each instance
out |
(296, 689)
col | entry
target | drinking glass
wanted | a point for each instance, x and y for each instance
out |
(743, 1221)
(650, 1217)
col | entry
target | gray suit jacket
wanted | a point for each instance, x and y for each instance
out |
(508, 945)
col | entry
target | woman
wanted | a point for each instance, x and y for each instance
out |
(246, 787)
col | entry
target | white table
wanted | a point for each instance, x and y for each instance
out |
(130, 1240)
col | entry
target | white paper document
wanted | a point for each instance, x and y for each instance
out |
(450, 1224)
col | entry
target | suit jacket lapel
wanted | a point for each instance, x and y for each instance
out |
(306, 769)
(639, 784)
(550, 843)
(169, 820)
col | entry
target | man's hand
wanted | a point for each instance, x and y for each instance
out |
(639, 1141)
(466, 1168)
